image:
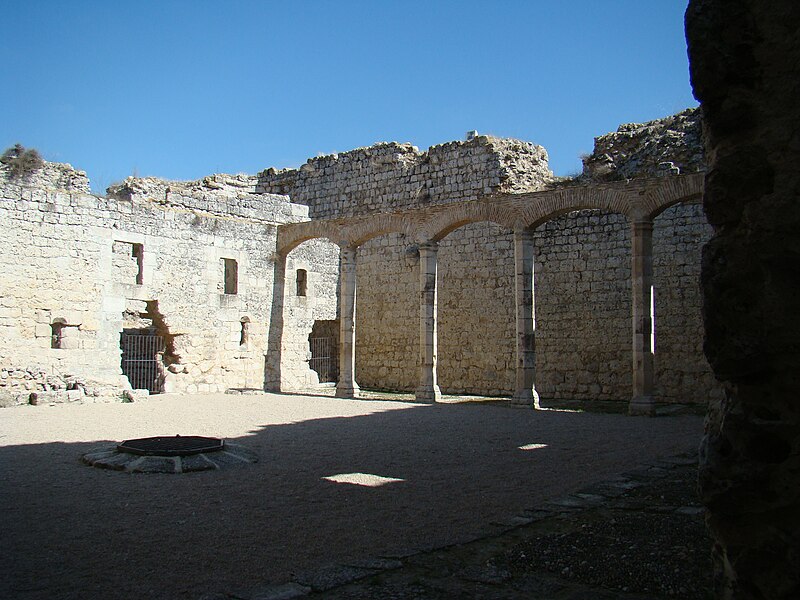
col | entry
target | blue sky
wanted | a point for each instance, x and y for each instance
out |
(182, 89)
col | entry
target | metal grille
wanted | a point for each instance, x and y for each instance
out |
(140, 362)
(171, 446)
(321, 359)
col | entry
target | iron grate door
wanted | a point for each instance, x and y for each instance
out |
(140, 361)
(321, 359)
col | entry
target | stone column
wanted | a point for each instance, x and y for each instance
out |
(524, 389)
(273, 359)
(428, 389)
(347, 387)
(642, 402)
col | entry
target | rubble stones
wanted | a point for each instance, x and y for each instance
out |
(54, 176)
(668, 146)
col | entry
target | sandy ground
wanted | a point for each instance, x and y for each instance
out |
(73, 531)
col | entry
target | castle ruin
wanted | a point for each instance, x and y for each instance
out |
(384, 267)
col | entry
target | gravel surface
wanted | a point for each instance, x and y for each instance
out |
(639, 537)
(74, 531)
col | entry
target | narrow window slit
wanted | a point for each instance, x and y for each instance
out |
(231, 276)
(302, 282)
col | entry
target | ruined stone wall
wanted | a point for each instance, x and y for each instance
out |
(582, 271)
(388, 177)
(150, 255)
(477, 337)
(671, 145)
(583, 309)
(320, 261)
(682, 373)
(391, 176)
(155, 252)
(387, 313)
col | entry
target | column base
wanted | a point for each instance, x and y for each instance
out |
(642, 405)
(428, 393)
(526, 397)
(347, 391)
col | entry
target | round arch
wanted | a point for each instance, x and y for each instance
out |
(447, 221)
(292, 235)
(378, 225)
(672, 191)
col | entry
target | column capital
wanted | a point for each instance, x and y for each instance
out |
(347, 245)
(429, 246)
(347, 254)
(523, 233)
(642, 224)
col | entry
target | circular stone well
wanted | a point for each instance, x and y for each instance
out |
(169, 454)
(171, 446)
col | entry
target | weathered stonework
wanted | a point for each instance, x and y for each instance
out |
(582, 273)
(391, 176)
(423, 267)
(320, 260)
(667, 146)
(69, 262)
(745, 67)
(582, 282)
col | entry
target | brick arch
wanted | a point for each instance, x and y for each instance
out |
(445, 222)
(674, 191)
(637, 200)
(559, 202)
(376, 226)
(291, 236)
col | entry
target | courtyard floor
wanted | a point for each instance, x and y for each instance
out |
(343, 489)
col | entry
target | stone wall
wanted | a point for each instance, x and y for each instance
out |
(392, 176)
(745, 65)
(476, 308)
(159, 255)
(583, 306)
(583, 309)
(671, 145)
(149, 257)
(583, 291)
(320, 261)
(387, 313)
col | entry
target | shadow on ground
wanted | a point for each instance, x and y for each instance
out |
(459, 473)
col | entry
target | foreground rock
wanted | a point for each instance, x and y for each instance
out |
(745, 59)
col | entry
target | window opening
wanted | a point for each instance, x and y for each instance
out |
(231, 277)
(652, 319)
(302, 282)
(57, 336)
(128, 262)
(137, 252)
